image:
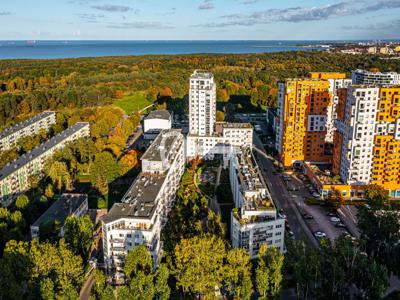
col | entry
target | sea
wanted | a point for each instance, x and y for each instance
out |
(73, 49)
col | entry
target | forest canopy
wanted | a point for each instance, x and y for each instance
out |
(30, 86)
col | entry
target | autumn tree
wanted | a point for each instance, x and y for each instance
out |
(269, 272)
(78, 232)
(238, 274)
(195, 270)
(58, 173)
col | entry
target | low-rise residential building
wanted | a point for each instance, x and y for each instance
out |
(14, 177)
(255, 219)
(225, 136)
(68, 205)
(378, 78)
(156, 121)
(10, 137)
(144, 209)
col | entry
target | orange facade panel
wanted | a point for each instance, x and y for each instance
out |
(304, 97)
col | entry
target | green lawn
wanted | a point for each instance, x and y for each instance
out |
(132, 103)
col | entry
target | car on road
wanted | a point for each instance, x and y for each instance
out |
(335, 219)
(340, 225)
(331, 214)
(308, 217)
(319, 234)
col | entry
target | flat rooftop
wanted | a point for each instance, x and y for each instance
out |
(200, 74)
(39, 150)
(159, 114)
(252, 181)
(365, 72)
(139, 200)
(162, 145)
(61, 209)
(21, 125)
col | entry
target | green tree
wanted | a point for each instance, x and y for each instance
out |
(104, 170)
(162, 289)
(238, 274)
(22, 202)
(50, 231)
(59, 175)
(195, 270)
(47, 289)
(139, 272)
(269, 272)
(78, 233)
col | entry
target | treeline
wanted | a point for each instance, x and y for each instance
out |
(28, 86)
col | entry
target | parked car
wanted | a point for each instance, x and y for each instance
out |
(308, 217)
(331, 214)
(315, 195)
(340, 225)
(319, 234)
(335, 219)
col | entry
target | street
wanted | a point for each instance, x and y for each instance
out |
(282, 198)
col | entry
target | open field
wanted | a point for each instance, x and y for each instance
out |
(132, 103)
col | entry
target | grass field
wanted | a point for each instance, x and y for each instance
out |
(132, 103)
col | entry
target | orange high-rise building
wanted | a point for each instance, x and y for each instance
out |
(302, 115)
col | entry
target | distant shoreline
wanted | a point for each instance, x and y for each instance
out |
(79, 49)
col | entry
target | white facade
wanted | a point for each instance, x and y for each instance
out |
(358, 131)
(14, 177)
(334, 85)
(229, 134)
(145, 207)
(202, 104)
(280, 109)
(207, 137)
(365, 77)
(255, 220)
(10, 137)
(155, 122)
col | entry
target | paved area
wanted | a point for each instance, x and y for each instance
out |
(282, 198)
(303, 219)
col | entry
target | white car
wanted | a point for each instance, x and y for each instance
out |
(335, 219)
(320, 234)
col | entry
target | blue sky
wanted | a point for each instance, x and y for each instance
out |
(199, 19)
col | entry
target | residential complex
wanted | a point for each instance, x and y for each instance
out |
(144, 209)
(255, 219)
(67, 205)
(331, 126)
(302, 117)
(14, 177)
(368, 137)
(32, 126)
(366, 77)
(207, 137)
(156, 121)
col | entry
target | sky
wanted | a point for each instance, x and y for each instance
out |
(199, 19)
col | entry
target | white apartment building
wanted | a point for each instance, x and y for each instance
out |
(358, 131)
(67, 205)
(156, 121)
(207, 137)
(202, 103)
(14, 177)
(32, 126)
(145, 207)
(334, 86)
(365, 77)
(225, 136)
(255, 220)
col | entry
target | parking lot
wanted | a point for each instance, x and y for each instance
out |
(321, 221)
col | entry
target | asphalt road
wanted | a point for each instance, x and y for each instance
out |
(283, 199)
